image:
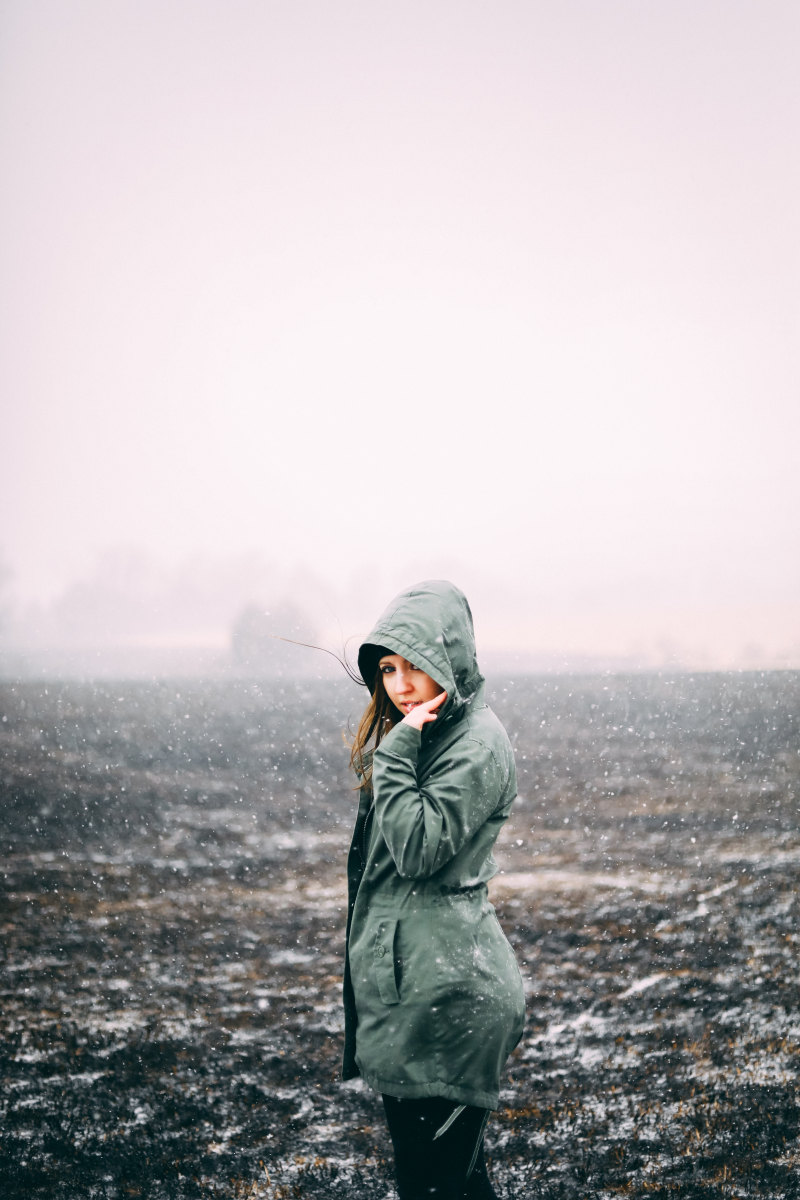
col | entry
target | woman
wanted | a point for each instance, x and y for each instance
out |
(433, 997)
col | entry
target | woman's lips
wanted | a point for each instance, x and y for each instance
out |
(407, 705)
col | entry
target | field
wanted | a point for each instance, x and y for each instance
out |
(172, 917)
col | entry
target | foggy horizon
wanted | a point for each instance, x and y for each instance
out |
(135, 615)
(303, 306)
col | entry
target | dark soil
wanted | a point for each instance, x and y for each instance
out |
(172, 919)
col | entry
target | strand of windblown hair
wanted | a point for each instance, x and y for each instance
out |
(354, 675)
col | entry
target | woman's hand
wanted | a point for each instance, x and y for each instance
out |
(422, 713)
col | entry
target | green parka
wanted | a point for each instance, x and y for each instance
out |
(433, 997)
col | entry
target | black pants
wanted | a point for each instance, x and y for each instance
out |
(438, 1168)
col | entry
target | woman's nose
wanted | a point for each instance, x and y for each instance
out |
(403, 682)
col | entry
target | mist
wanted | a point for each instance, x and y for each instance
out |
(301, 305)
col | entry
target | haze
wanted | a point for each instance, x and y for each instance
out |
(304, 301)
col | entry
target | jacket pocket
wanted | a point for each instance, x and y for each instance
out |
(383, 961)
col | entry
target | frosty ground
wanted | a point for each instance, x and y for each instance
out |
(173, 911)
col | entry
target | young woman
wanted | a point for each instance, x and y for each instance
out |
(433, 997)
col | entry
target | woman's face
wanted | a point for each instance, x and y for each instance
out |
(404, 684)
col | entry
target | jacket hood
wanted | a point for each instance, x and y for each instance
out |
(430, 624)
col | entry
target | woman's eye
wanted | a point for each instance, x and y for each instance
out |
(386, 669)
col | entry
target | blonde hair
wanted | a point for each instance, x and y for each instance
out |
(379, 717)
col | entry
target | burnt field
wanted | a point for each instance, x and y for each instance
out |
(172, 918)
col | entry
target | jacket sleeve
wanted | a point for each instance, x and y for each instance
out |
(424, 827)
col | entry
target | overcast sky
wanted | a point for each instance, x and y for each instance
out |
(501, 292)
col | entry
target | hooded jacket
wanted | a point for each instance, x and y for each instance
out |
(433, 996)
